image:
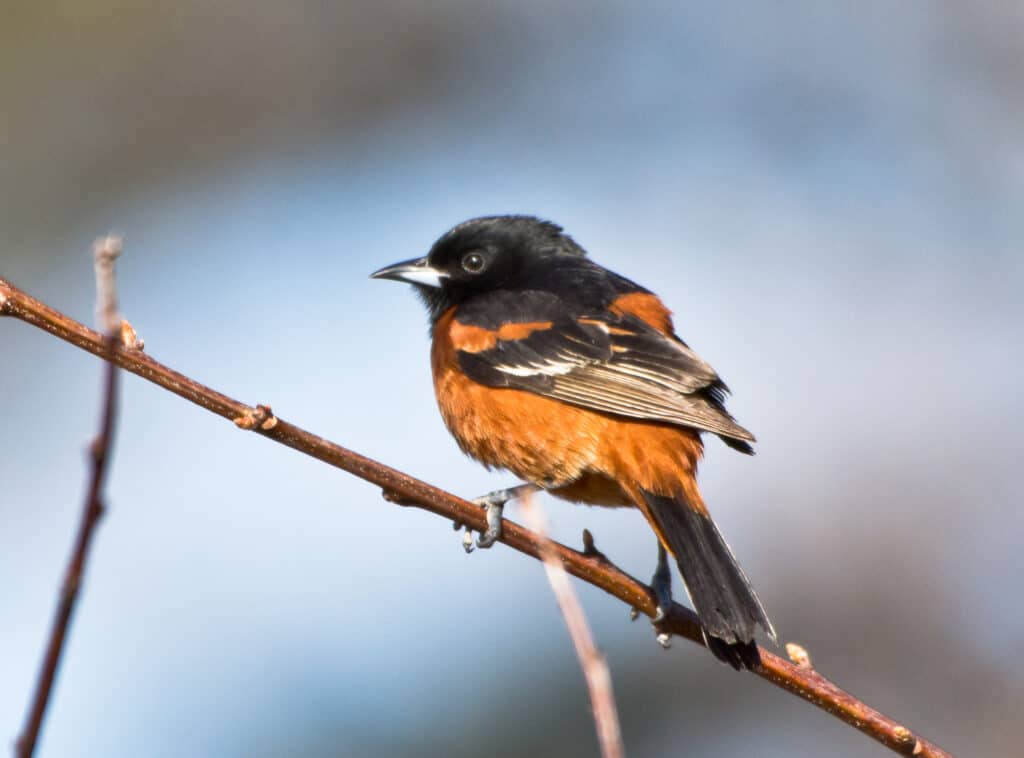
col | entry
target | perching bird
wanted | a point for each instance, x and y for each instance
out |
(571, 377)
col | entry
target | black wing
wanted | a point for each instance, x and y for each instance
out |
(618, 365)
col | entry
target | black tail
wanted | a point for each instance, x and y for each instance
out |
(728, 609)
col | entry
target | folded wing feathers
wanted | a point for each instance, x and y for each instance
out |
(638, 374)
(620, 394)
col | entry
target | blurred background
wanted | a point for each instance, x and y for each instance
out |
(828, 195)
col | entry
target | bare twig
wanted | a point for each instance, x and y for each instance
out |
(591, 568)
(105, 252)
(595, 669)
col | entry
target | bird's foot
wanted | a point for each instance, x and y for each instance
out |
(661, 584)
(493, 533)
(494, 504)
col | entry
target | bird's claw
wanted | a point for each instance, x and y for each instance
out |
(493, 533)
(494, 503)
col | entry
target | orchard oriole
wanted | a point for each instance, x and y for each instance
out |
(571, 377)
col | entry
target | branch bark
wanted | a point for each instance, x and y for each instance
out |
(105, 252)
(595, 569)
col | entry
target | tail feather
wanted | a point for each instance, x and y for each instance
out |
(728, 608)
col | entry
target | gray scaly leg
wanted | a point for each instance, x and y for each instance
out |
(494, 502)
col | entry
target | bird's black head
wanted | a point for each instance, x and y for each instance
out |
(481, 255)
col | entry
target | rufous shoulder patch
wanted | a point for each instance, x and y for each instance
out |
(476, 339)
(647, 308)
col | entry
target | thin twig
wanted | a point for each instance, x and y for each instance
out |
(105, 252)
(595, 669)
(592, 568)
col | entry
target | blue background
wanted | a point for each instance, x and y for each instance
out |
(828, 196)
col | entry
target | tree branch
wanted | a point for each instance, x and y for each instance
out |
(595, 669)
(592, 568)
(105, 251)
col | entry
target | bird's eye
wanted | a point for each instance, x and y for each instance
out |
(474, 263)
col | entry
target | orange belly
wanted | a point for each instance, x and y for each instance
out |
(575, 453)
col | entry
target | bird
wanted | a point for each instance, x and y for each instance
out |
(571, 377)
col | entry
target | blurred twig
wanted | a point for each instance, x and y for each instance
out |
(595, 669)
(593, 568)
(105, 252)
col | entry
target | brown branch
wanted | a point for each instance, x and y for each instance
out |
(105, 252)
(595, 669)
(591, 568)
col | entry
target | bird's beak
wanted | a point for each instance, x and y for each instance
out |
(415, 271)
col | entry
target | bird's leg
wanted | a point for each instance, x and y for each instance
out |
(494, 502)
(661, 583)
(500, 497)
